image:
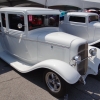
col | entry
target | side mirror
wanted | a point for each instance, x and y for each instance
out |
(20, 25)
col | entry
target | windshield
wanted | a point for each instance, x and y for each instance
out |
(93, 18)
(38, 21)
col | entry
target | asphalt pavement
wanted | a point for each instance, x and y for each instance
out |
(30, 86)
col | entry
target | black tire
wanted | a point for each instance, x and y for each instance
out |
(99, 71)
(98, 75)
(62, 88)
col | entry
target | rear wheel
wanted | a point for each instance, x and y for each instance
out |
(55, 84)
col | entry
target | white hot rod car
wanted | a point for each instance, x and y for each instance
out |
(84, 25)
(30, 39)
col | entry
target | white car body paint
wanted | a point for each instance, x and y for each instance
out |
(45, 47)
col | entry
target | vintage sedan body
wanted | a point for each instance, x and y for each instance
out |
(30, 39)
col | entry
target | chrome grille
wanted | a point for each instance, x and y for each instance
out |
(83, 52)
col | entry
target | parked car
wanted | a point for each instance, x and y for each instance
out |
(84, 25)
(30, 39)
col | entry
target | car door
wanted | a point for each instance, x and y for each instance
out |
(4, 31)
(15, 35)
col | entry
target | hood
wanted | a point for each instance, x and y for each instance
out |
(58, 38)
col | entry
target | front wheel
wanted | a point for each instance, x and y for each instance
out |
(55, 84)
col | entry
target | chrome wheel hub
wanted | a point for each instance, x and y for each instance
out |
(53, 82)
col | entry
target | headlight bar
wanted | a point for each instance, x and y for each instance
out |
(77, 59)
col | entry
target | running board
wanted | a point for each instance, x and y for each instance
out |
(15, 63)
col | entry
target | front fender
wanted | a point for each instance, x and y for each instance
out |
(67, 72)
(94, 61)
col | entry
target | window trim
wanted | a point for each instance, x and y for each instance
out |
(1, 19)
(40, 15)
(75, 21)
(21, 13)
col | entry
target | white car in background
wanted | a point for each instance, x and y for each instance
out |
(30, 39)
(84, 25)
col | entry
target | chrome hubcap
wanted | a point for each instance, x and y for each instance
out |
(53, 82)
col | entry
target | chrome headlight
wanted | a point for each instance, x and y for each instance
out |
(93, 51)
(77, 59)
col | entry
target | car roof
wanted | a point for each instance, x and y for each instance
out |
(22, 8)
(81, 13)
(30, 10)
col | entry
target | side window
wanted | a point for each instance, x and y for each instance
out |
(35, 21)
(77, 19)
(38, 21)
(93, 18)
(3, 19)
(53, 20)
(14, 20)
